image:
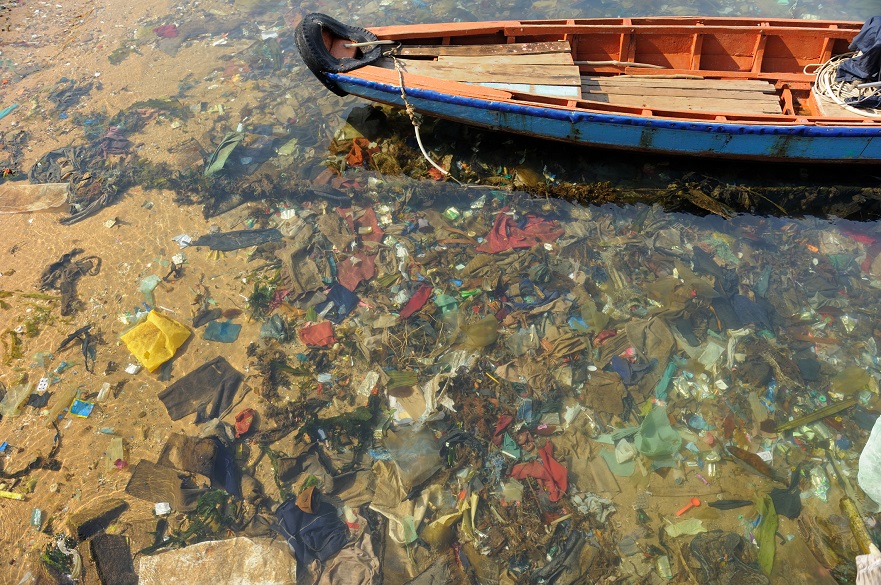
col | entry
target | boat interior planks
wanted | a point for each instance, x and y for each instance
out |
(484, 50)
(542, 68)
(733, 96)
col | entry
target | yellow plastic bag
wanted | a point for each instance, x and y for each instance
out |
(155, 340)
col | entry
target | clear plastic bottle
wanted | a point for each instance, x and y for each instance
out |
(820, 482)
(662, 563)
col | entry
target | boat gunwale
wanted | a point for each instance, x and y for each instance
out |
(600, 25)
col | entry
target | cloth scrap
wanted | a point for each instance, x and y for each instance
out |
(343, 301)
(208, 391)
(550, 473)
(507, 235)
(311, 536)
(417, 301)
(356, 268)
(318, 335)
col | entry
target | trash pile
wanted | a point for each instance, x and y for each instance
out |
(508, 390)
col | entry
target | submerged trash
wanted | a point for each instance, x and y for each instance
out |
(483, 386)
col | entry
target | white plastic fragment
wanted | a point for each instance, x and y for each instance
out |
(183, 240)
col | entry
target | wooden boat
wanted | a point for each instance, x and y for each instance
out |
(740, 88)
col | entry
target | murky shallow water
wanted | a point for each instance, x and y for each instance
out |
(755, 319)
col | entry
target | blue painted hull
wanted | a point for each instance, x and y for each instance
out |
(755, 141)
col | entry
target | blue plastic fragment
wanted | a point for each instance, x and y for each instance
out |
(81, 408)
(7, 110)
(225, 332)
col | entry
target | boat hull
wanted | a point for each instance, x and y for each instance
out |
(770, 143)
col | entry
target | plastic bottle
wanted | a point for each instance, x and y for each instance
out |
(14, 399)
(662, 563)
(820, 481)
(62, 400)
(104, 392)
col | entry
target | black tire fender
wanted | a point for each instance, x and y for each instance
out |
(310, 44)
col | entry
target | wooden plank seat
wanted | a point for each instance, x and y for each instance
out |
(545, 68)
(723, 96)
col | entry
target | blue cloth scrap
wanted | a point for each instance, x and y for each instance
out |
(864, 67)
(224, 332)
(631, 373)
(225, 473)
(547, 299)
(344, 301)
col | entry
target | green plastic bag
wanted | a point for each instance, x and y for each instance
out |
(656, 438)
(222, 152)
(765, 533)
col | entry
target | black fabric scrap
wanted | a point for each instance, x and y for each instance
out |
(236, 240)
(730, 504)
(726, 316)
(788, 501)
(114, 142)
(113, 559)
(809, 368)
(750, 313)
(311, 536)
(63, 275)
(686, 330)
(704, 263)
(206, 317)
(208, 391)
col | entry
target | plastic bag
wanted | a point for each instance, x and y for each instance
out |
(481, 334)
(155, 340)
(656, 438)
(415, 453)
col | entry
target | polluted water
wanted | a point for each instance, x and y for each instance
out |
(250, 335)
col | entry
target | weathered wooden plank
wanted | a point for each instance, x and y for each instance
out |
(701, 101)
(476, 73)
(652, 81)
(528, 59)
(473, 50)
(681, 92)
(773, 77)
(557, 91)
(668, 103)
(390, 77)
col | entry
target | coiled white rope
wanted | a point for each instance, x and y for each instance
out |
(827, 88)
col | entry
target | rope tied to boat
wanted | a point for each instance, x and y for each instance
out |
(828, 88)
(416, 118)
